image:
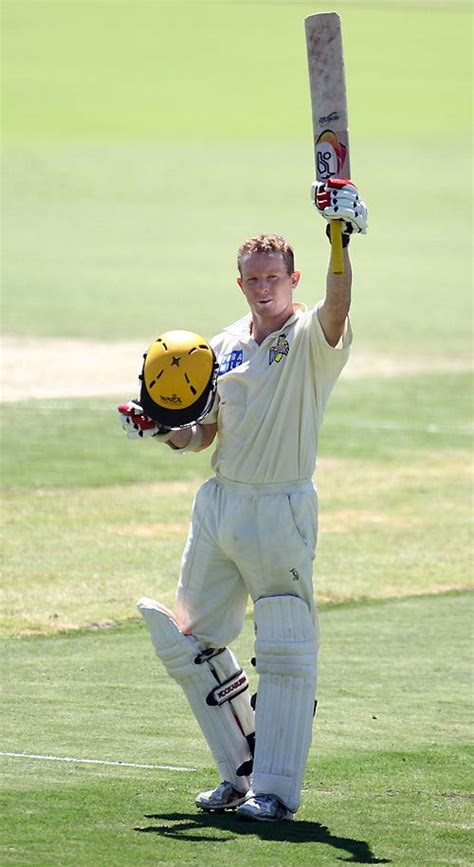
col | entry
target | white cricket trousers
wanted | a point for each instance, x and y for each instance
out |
(244, 540)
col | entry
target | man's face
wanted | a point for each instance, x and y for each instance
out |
(267, 285)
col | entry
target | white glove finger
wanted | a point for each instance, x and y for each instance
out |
(350, 211)
(124, 420)
(136, 433)
(131, 429)
(148, 432)
(343, 199)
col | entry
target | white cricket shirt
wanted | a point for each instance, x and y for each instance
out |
(271, 398)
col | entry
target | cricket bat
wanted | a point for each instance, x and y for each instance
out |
(329, 109)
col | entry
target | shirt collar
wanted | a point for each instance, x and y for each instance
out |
(241, 328)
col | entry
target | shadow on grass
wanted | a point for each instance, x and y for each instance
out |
(182, 825)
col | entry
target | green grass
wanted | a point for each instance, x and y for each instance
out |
(112, 258)
(75, 443)
(75, 557)
(143, 141)
(94, 519)
(146, 71)
(388, 777)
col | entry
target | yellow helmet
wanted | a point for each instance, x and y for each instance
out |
(179, 379)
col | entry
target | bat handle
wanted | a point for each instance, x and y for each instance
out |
(337, 259)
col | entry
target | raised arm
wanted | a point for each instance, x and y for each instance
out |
(335, 307)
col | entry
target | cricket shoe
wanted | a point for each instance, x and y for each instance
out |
(224, 797)
(263, 808)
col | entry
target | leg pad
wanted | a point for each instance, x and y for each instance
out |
(286, 648)
(215, 687)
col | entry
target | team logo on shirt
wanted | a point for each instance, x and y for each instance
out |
(231, 360)
(278, 350)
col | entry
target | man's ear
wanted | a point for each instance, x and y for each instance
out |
(295, 278)
(239, 281)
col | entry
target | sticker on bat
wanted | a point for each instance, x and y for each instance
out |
(332, 116)
(330, 155)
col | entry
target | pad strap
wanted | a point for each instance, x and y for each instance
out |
(231, 688)
(208, 654)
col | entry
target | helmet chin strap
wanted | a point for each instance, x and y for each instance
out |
(212, 393)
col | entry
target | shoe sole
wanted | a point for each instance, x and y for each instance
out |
(247, 817)
(232, 806)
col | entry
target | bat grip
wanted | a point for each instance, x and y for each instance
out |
(337, 259)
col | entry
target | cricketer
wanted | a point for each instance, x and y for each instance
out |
(262, 387)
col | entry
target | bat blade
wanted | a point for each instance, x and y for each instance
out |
(329, 108)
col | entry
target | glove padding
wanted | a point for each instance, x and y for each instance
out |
(137, 425)
(338, 199)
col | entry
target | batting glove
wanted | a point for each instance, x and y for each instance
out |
(137, 425)
(338, 199)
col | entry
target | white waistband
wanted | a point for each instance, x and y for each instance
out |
(248, 490)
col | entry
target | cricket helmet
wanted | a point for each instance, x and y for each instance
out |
(179, 379)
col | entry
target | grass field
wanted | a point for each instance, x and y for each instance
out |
(388, 781)
(141, 143)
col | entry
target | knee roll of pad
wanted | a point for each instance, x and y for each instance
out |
(286, 637)
(215, 687)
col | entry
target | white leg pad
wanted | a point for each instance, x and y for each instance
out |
(224, 723)
(286, 650)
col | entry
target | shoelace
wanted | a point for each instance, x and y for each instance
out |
(266, 800)
(222, 787)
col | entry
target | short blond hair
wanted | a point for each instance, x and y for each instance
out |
(268, 244)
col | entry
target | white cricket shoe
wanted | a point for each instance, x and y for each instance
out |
(263, 808)
(224, 797)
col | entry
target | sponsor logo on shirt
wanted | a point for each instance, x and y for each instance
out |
(278, 350)
(231, 360)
